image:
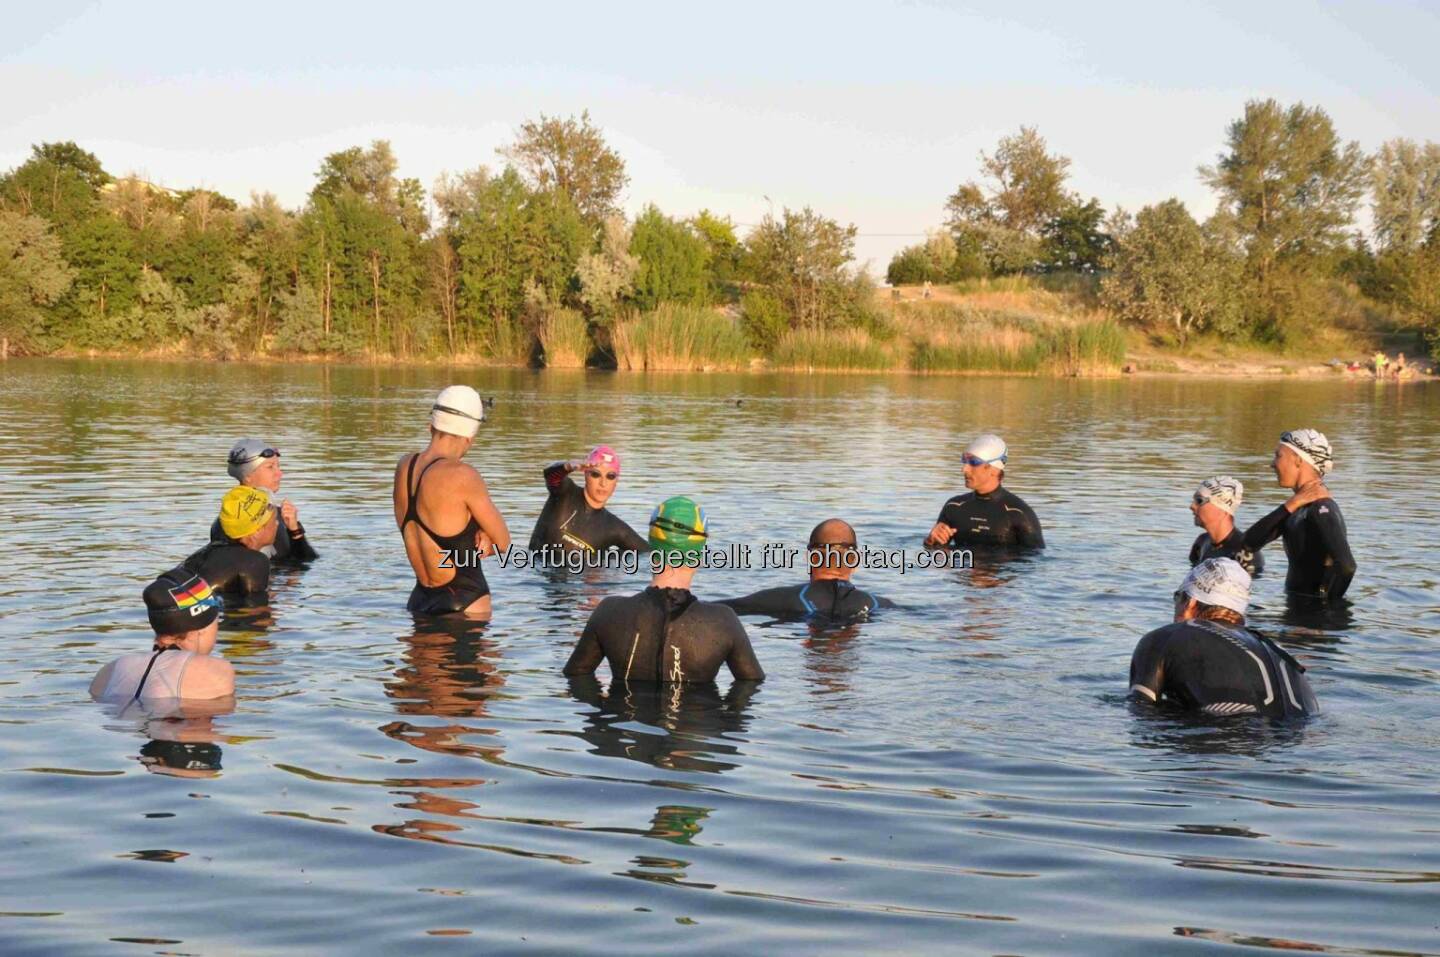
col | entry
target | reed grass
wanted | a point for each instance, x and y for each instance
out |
(835, 350)
(679, 338)
(565, 339)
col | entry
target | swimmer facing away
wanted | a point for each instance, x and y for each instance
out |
(829, 593)
(1208, 661)
(185, 614)
(237, 565)
(435, 490)
(576, 519)
(987, 516)
(256, 464)
(1316, 542)
(1214, 505)
(665, 633)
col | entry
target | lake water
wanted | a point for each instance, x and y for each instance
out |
(963, 775)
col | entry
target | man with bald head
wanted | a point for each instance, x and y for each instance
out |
(834, 555)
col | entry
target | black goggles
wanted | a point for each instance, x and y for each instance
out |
(464, 415)
(673, 526)
(240, 457)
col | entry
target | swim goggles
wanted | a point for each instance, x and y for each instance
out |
(241, 456)
(976, 461)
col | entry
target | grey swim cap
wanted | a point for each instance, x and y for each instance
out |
(247, 455)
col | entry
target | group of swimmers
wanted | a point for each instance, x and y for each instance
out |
(1206, 659)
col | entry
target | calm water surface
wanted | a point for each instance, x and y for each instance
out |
(960, 776)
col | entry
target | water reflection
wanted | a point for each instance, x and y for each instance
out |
(450, 670)
(1162, 728)
(692, 722)
(183, 740)
(831, 657)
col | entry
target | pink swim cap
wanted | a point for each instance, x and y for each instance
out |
(604, 456)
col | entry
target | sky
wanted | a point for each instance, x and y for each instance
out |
(872, 113)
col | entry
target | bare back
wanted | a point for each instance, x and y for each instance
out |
(452, 501)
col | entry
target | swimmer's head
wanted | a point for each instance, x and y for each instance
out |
(1219, 493)
(248, 515)
(181, 604)
(831, 543)
(1299, 451)
(677, 531)
(602, 471)
(255, 462)
(984, 460)
(1214, 583)
(457, 411)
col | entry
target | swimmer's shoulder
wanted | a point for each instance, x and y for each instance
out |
(207, 677)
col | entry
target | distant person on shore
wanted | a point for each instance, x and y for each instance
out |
(665, 633)
(448, 577)
(1382, 361)
(828, 594)
(987, 516)
(236, 564)
(1214, 506)
(575, 518)
(1316, 542)
(1208, 661)
(1401, 371)
(185, 613)
(256, 464)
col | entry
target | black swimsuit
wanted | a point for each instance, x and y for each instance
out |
(469, 582)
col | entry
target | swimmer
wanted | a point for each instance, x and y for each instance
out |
(987, 515)
(1208, 661)
(665, 633)
(448, 577)
(828, 593)
(1316, 542)
(575, 519)
(1214, 505)
(257, 464)
(185, 613)
(236, 565)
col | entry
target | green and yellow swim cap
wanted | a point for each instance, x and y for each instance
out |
(678, 525)
(245, 510)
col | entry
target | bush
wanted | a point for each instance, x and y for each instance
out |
(848, 350)
(763, 319)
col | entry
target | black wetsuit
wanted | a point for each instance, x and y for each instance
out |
(825, 598)
(233, 571)
(1220, 669)
(664, 634)
(1316, 545)
(568, 522)
(998, 519)
(469, 582)
(1233, 547)
(287, 547)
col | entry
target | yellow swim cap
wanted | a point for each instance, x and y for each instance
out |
(245, 510)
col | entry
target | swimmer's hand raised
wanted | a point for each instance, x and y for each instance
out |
(939, 535)
(290, 515)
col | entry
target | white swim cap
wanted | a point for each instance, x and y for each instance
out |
(1219, 581)
(989, 449)
(1312, 447)
(457, 411)
(1221, 491)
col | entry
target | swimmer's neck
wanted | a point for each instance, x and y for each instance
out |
(673, 576)
(987, 493)
(1220, 528)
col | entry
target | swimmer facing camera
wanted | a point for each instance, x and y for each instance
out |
(987, 516)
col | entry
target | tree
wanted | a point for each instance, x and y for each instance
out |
(33, 274)
(1288, 181)
(726, 254)
(1007, 215)
(938, 259)
(674, 261)
(607, 273)
(1075, 238)
(1167, 272)
(570, 155)
(55, 184)
(1405, 180)
(803, 258)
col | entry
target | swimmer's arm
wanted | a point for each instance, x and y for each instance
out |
(743, 664)
(1027, 531)
(555, 474)
(492, 524)
(772, 601)
(1147, 668)
(300, 548)
(587, 654)
(629, 540)
(1195, 549)
(1336, 580)
(101, 680)
(1266, 530)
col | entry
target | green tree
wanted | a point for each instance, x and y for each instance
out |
(33, 275)
(571, 156)
(60, 182)
(1006, 215)
(674, 261)
(804, 258)
(726, 254)
(1167, 273)
(1075, 239)
(1405, 184)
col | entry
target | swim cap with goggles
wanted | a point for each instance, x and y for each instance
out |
(1222, 491)
(245, 510)
(179, 601)
(458, 411)
(247, 455)
(987, 449)
(604, 457)
(1312, 447)
(678, 526)
(1219, 581)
